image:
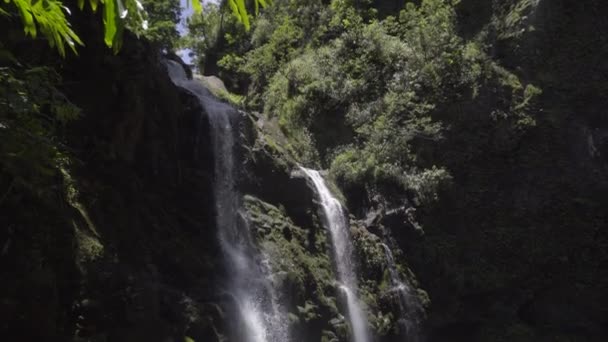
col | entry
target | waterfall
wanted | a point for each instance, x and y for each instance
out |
(337, 224)
(250, 276)
(409, 305)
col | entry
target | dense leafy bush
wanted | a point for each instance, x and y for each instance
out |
(364, 94)
(375, 85)
(156, 19)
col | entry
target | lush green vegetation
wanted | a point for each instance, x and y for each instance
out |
(33, 112)
(397, 99)
(378, 79)
(163, 16)
(155, 18)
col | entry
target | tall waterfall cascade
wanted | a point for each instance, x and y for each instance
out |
(249, 282)
(337, 224)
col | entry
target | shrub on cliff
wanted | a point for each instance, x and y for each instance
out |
(367, 96)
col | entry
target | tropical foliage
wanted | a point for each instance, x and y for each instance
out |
(218, 43)
(33, 111)
(48, 17)
(163, 17)
(380, 79)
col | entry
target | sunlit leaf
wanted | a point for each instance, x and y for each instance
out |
(234, 8)
(24, 7)
(240, 11)
(110, 22)
(94, 4)
(48, 18)
(196, 6)
(243, 13)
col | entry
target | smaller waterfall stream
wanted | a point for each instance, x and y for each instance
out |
(250, 285)
(408, 303)
(337, 224)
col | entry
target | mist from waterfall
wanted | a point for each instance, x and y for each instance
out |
(250, 285)
(337, 224)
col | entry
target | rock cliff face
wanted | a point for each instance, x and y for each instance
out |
(126, 250)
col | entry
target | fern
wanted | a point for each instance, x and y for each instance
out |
(48, 17)
(239, 9)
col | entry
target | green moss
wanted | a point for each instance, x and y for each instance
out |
(300, 261)
(234, 99)
(425, 299)
(385, 282)
(299, 256)
(383, 323)
(72, 196)
(309, 311)
(88, 246)
(370, 253)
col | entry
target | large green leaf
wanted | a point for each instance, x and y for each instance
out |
(110, 22)
(47, 16)
(24, 7)
(196, 6)
(94, 4)
(240, 11)
(243, 13)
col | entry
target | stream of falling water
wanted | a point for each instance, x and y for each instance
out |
(250, 276)
(407, 301)
(337, 224)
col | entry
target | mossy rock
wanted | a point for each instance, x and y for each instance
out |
(300, 262)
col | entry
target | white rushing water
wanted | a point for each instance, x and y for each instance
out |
(407, 301)
(337, 224)
(250, 281)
